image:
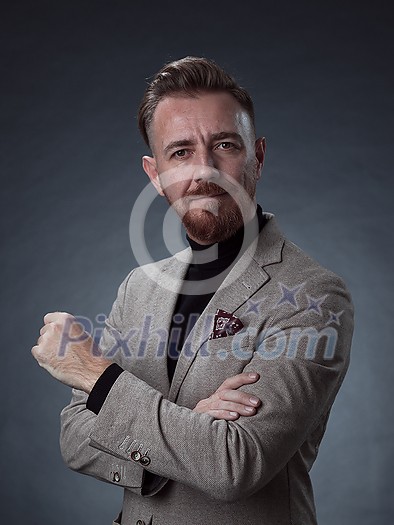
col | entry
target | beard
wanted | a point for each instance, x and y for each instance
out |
(225, 218)
(207, 227)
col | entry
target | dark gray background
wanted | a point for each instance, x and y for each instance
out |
(72, 76)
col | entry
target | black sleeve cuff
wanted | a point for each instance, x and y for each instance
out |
(102, 387)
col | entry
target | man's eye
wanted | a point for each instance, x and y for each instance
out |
(180, 153)
(225, 145)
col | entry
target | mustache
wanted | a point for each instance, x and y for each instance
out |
(205, 189)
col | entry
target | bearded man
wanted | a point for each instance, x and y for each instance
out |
(210, 390)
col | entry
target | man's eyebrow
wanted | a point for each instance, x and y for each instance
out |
(227, 135)
(178, 144)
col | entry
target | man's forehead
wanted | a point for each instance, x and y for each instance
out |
(211, 113)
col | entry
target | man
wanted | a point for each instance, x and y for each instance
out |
(218, 367)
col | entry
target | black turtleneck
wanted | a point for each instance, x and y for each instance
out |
(189, 305)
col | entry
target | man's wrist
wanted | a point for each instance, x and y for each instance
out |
(94, 375)
(101, 387)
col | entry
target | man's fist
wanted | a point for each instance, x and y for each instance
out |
(68, 353)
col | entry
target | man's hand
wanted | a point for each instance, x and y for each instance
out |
(228, 402)
(68, 353)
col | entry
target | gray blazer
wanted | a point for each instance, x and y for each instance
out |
(178, 466)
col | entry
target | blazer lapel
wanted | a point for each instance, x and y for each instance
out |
(246, 277)
(167, 281)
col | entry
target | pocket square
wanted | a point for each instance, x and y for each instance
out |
(225, 324)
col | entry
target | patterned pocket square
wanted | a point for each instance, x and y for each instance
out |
(225, 324)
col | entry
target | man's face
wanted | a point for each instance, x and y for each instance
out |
(206, 162)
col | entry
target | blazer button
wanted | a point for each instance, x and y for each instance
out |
(145, 461)
(136, 455)
(116, 477)
(140, 522)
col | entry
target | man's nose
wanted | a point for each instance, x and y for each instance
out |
(204, 168)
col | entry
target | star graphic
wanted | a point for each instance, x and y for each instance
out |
(289, 295)
(334, 317)
(222, 355)
(253, 307)
(314, 303)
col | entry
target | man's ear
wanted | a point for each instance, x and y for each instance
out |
(260, 147)
(149, 165)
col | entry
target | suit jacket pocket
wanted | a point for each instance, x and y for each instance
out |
(239, 345)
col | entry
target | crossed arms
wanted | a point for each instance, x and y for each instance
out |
(237, 456)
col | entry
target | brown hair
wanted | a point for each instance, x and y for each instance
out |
(188, 75)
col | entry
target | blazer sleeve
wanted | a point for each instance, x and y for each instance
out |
(232, 460)
(77, 423)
